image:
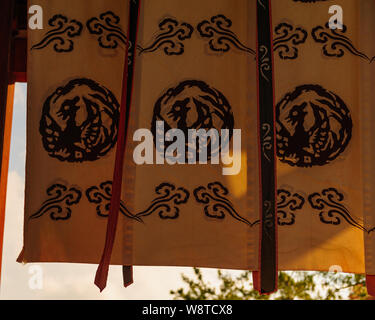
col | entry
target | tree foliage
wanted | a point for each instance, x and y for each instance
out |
(292, 286)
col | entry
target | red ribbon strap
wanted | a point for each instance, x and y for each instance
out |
(127, 89)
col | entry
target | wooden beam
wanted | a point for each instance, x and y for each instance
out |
(6, 105)
(18, 58)
(5, 164)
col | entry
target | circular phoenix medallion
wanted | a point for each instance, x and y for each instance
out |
(79, 121)
(313, 125)
(195, 105)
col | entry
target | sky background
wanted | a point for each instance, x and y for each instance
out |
(66, 281)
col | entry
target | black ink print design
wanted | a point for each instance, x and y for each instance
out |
(79, 121)
(336, 44)
(331, 209)
(264, 63)
(287, 38)
(170, 38)
(58, 205)
(314, 127)
(101, 196)
(61, 34)
(222, 39)
(287, 205)
(108, 30)
(217, 205)
(110, 34)
(194, 104)
(267, 146)
(166, 204)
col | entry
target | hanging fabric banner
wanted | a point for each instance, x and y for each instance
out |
(231, 161)
(184, 78)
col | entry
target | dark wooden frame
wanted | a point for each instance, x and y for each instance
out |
(13, 53)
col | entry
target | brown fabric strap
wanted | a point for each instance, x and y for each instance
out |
(266, 280)
(127, 89)
(256, 280)
(127, 275)
(370, 283)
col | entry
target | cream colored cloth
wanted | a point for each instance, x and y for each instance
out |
(186, 215)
